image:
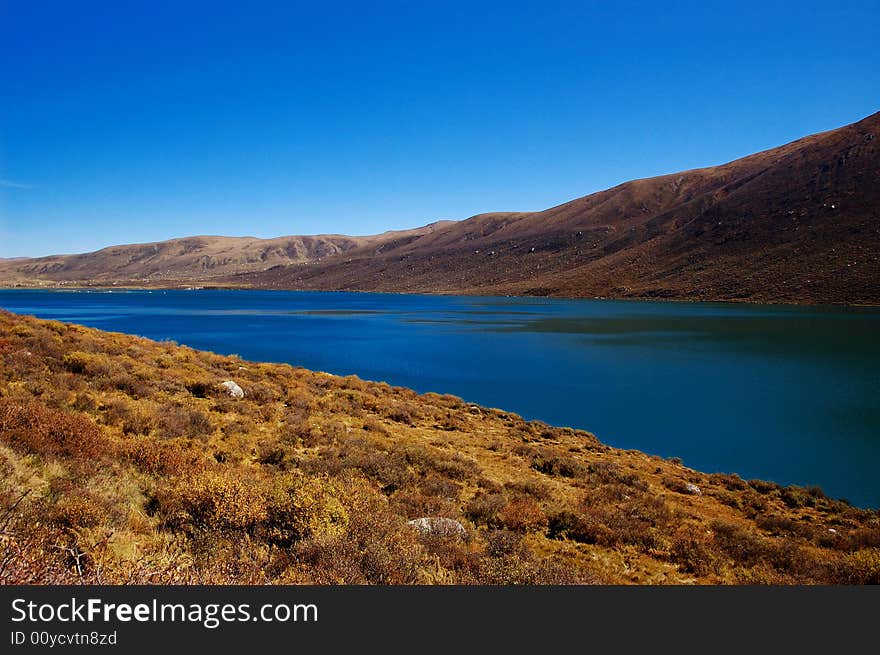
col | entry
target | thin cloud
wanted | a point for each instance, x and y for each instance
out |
(10, 184)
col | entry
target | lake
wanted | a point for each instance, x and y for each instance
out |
(790, 394)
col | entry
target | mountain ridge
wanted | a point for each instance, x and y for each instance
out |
(796, 223)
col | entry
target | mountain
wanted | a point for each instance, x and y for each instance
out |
(798, 223)
(189, 259)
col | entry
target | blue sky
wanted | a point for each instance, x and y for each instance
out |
(139, 121)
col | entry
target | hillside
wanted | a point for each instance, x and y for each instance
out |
(127, 461)
(798, 223)
(190, 259)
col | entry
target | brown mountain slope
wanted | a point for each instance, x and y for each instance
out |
(191, 259)
(798, 223)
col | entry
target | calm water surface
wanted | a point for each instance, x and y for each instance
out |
(790, 394)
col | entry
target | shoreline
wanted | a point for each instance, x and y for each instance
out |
(130, 286)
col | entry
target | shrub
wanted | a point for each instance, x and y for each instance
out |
(90, 364)
(434, 485)
(675, 484)
(77, 511)
(452, 421)
(413, 505)
(692, 554)
(402, 413)
(522, 515)
(731, 481)
(211, 501)
(508, 561)
(373, 425)
(130, 385)
(556, 464)
(566, 524)
(795, 496)
(861, 567)
(138, 422)
(389, 469)
(260, 393)
(200, 388)
(742, 546)
(483, 508)
(782, 525)
(534, 488)
(863, 538)
(763, 487)
(76, 361)
(603, 472)
(305, 509)
(32, 426)
(454, 465)
(270, 453)
(161, 458)
(177, 421)
(84, 402)
(377, 547)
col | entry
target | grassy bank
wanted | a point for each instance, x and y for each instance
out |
(124, 460)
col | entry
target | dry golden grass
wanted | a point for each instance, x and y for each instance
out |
(124, 461)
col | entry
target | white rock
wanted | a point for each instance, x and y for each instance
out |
(691, 488)
(439, 526)
(233, 389)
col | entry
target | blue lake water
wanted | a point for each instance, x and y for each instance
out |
(790, 394)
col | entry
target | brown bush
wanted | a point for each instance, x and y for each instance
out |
(160, 458)
(730, 481)
(509, 562)
(84, 402)
(260, 393)
(762, 486)
(455, 466)
(566, 524)
(612, 473)
(784, 526)
(302, 508)
(391, 470)
(693, 554)
(452, 421)
(742, 546)
(529, 487)
(434, 485)
(200, 388)
(76, 511)
(377, 547)
(451, 465)
(36, 428)
(484, 507)
(413, 505)
(211, 501)
(675, 484)
(795, 496)
(863, 538)
(176, 421)
(860, 567)
(522, 515)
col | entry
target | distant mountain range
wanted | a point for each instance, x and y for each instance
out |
(798, 223)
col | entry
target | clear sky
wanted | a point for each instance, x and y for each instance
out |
(138, 121)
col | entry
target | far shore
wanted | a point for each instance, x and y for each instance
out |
(208, 286)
